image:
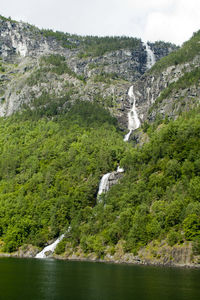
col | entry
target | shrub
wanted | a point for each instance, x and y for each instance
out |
(60, 248)
(173, 237)
(196, 246)
(191, 226)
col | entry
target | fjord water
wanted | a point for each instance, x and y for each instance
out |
(37, 279)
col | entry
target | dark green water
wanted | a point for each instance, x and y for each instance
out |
(34, 279)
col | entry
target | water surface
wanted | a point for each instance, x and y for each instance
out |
(35, 279)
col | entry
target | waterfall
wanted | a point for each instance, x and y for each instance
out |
(104, 184)
(133, 120)
(50, 248)
(133, 123)
(150, 56)
(120, 170)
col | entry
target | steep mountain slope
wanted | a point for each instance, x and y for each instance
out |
(156, 203)
(154, 210)
(62, 138)
(50, 169)
(37, 62)
(172, 85)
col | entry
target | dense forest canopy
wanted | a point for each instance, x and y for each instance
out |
(158, 197)
(50, 169)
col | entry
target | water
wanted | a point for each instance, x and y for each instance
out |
(133, 123)
(150, 56)
(133, 120)
(49, 248)
(104, 184)
(37, 279)
(120, 170)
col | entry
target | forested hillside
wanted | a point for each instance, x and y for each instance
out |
(65, 107)
(158, 197)
(50, 170)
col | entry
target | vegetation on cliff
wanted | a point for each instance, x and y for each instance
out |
(189, 79)
(186, 53)
(158, 197)
(92, 45)
(50, 169)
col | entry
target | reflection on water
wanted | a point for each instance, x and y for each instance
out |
(31, 279)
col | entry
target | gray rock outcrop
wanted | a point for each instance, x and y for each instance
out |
(104, 78)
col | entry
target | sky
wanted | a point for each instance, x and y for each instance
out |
(168, 20)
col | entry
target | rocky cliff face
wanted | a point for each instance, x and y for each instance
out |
(104, 78)
(161, 49)
(21, 39)
(151, 103)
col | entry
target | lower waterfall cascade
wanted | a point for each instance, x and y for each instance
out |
(150, 56)
(50, 248)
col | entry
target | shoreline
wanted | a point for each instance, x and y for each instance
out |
(116, 262)
(142, 263)
(156, 253)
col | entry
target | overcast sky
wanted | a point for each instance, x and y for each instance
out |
(168, 20)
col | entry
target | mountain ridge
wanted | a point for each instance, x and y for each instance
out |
(107, 76)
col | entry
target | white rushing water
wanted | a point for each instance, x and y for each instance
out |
(150, 56)
(133, 123)
(133, 120)
(48, 248)
(120, 170)
(103, 185)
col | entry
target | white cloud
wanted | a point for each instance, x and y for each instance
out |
(176, 26)
(169, 20)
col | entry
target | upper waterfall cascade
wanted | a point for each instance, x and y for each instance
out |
(150, 56)
(133, 120)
